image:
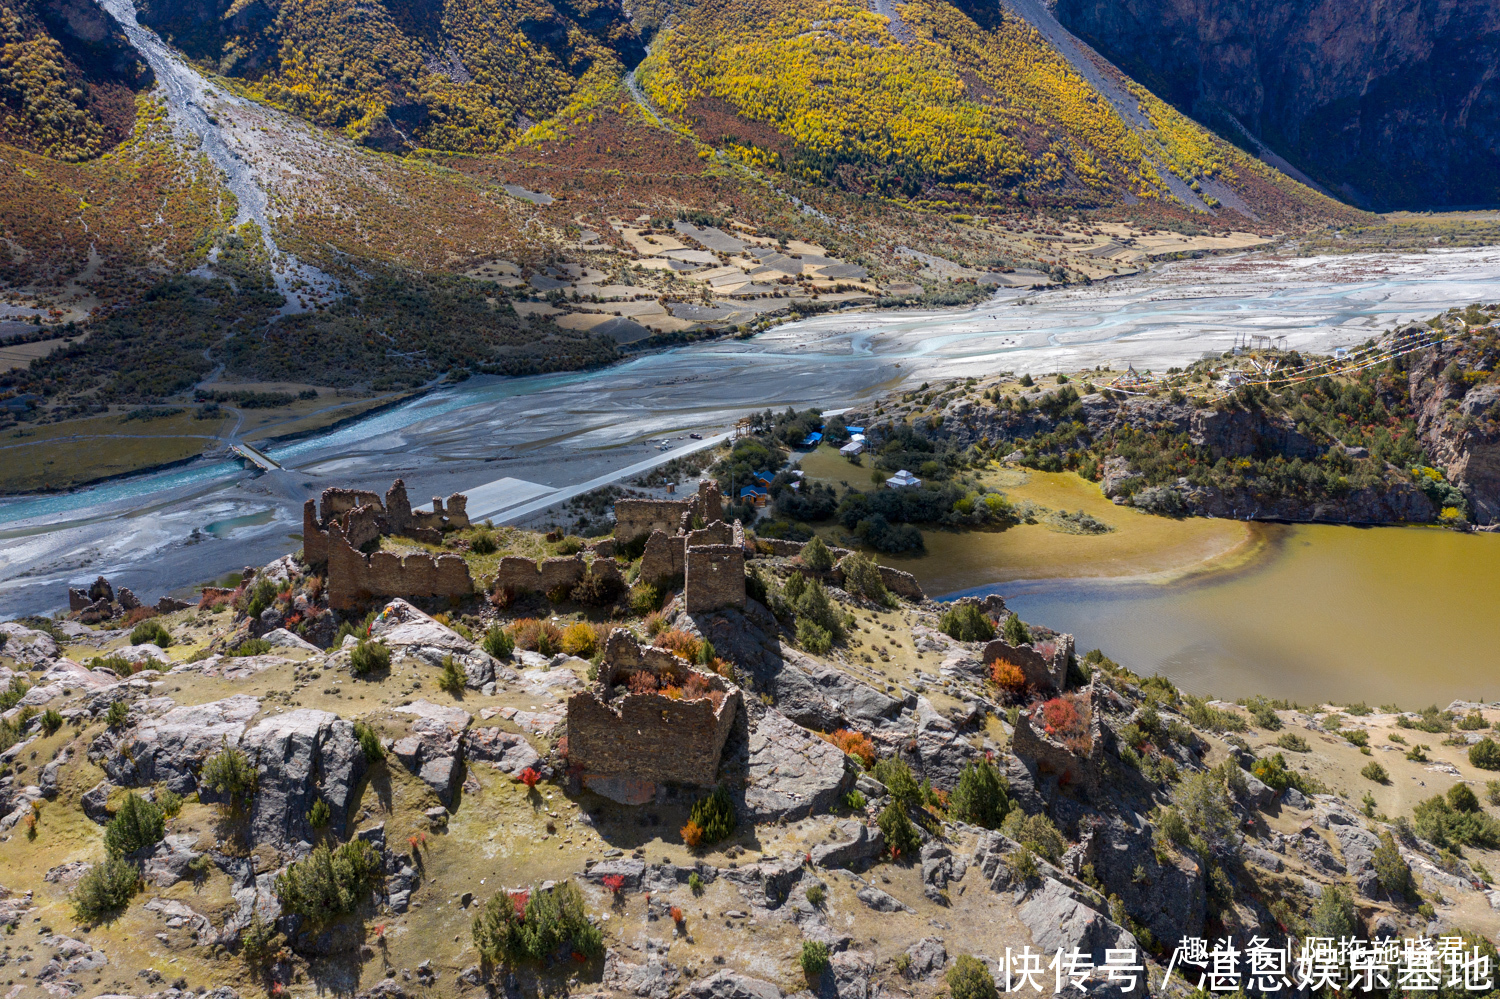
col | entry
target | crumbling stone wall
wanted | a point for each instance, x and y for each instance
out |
(516, 574)
(362, 517)
(354, 577)
(1045, 673)
(1032, 745)
(664, 559)
(648, 737)
(714, 574)
(635, 518)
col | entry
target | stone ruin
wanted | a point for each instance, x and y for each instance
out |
(624, 743)
(363, 517)
(101, 602)
(1034, 747)
(636, 518)
(1044, 664)
(346, 520)
(709, 560)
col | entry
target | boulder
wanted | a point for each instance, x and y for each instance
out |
(506, 751)
(27, 646)
(854, 842)
(170, 748)
(941, 753)
(656, 979)
(280, 638)
(881, 901)
(1057, 919)
(95, 802)
(1316, 853)
(937, 868)
(301, 755)
(792, 774)
(927, 957)
(171, 861)
(404, 628)
(433, 751)
(1358, 845)
(731, 985)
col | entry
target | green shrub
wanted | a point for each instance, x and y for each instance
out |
(1205, 716)
(117, 714)
(970, 978)
(1492, 791)
(1461, 798)
(260, 942)
(331, 882)
(51, 720)
(814, 958)
(816, 895)
(899, 782)
(368, 657)
(1333, 915)
(251, 647)
(1264, 713)
(816, 556)
(982, 797)
(1015, 632)
(1473, 721)
(1485, 754)
(1393, 872)
(368, 741)
(483, 542)
(813, 637)
(261, 596)
(150, 632)
(168, 800)
(862, 575)
(1438, 821)
(1293, 743)
(854, 801)
(452, 679)
(965, 622)
(498, 643)
(644, 598)
(900, 835)
(11, 695)
(137, 824)
(104, 889)
(695, 883)
(1375, 772)
(713, 817)
(1036, 832)
(1022, 863)
(546, 920)
(229, 772)
(319, 815)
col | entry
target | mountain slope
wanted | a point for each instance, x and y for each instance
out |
(1391, 105)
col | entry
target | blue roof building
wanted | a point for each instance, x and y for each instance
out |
(812, 439)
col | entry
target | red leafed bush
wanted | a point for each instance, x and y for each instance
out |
(519, 900)
(680, 643)
(676, 913)
(614, 882)
(529, 777)
(641, 682)
(1066, 720)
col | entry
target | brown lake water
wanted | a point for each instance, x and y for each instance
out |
(1404, 615)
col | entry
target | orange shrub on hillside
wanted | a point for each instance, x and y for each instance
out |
(1066, 719)
(853, 744)
(1008, 677)
(681, 643)
(692, 834)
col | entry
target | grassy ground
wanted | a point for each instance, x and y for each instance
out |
(59, 455)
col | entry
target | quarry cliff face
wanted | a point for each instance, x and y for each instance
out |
(1386, 104)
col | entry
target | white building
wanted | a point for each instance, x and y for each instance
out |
(903, 480)
(852, 448)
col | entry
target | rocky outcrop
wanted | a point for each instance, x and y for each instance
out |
(791, 773)
(301, 756)
(170, 748)
(1058, 919)
(434, 748)
(405, 629)
(1459, 426)
(1387, 105)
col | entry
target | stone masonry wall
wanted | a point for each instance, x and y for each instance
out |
(637, 517)
(665, 558)
(714, 574)
(1032, 745)
(1045, 673)
(363, 516)
(354, 577)
(648, 736)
